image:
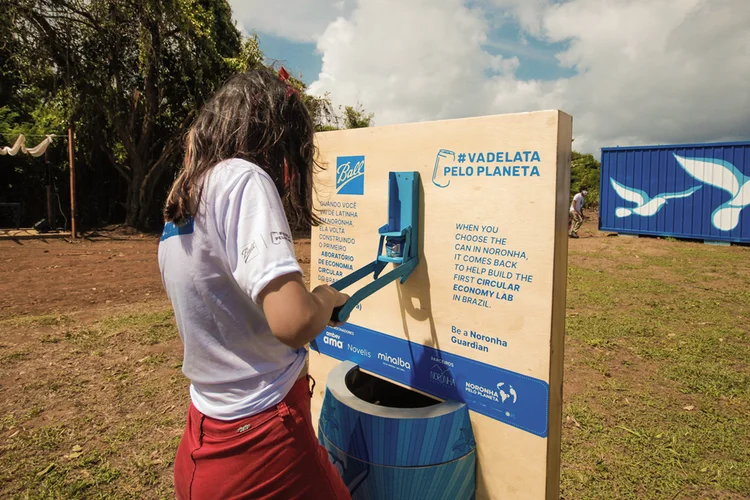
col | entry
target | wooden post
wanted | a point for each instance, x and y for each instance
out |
(49, 206)
(71, 148)
(49, 193)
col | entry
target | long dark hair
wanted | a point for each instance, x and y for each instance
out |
(256, 117)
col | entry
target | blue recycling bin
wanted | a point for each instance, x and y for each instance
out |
(388, 442)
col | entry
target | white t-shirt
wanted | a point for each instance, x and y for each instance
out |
(213, 269)
(577, 204)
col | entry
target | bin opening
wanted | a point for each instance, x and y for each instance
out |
(381, 392)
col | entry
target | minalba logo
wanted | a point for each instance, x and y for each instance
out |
(394, 361)
(350, 175)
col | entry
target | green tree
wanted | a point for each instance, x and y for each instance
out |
(584, 173)
(357, 117)
(320, 108)
(30, 109)
(322, 112)
(144, 67)
(129, 76)
(249, 57)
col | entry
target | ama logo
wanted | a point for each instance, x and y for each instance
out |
(350, 175)
(333, 340)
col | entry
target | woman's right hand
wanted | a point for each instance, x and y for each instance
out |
(335, 297)
(341, 299)
(296, 315)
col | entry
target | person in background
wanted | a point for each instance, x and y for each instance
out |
(576, 212)
(242, 309)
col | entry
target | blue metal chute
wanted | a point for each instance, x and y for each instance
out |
(399, 238)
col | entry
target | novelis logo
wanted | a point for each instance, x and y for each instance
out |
(359, 351)
(394, 361)
(350, 175)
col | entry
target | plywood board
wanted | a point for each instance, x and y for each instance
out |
(481, 319)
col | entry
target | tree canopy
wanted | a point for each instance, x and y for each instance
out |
(129, 76)
(584, 173)
(357, 117)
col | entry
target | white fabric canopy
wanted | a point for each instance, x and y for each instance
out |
(19, 145)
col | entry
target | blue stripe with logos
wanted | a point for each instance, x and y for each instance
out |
(515, 399)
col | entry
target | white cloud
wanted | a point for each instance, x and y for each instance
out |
(410, 61)
(655, 70)
(297, 20)
(649, 71)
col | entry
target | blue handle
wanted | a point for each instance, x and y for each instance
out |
(336, 313)
(341, 314)
(400, 237)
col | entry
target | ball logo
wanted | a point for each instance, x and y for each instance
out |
(333, 342)
(350, 175)
(394, 361)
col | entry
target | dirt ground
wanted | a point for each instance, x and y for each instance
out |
(92, 399)
(89, 360)
(105, 270)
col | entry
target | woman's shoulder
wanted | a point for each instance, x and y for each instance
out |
(237, 171)
(237, 167)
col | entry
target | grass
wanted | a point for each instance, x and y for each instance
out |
(657, 395)
(149, 328)
(665, 413)
(60, 471)
(14, 357)
(35, 321)
(145, 328)
(100, 417)
(654, 448)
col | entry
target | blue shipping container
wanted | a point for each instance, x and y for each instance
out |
(695, 191)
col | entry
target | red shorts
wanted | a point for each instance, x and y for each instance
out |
(272, 455)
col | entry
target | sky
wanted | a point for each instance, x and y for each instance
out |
(630, 72)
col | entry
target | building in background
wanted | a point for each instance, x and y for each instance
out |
(691, 191)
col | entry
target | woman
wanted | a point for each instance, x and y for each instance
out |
(243, 312)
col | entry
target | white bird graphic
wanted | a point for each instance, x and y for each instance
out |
(504, 395)
(723, 175)
(645, 206)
